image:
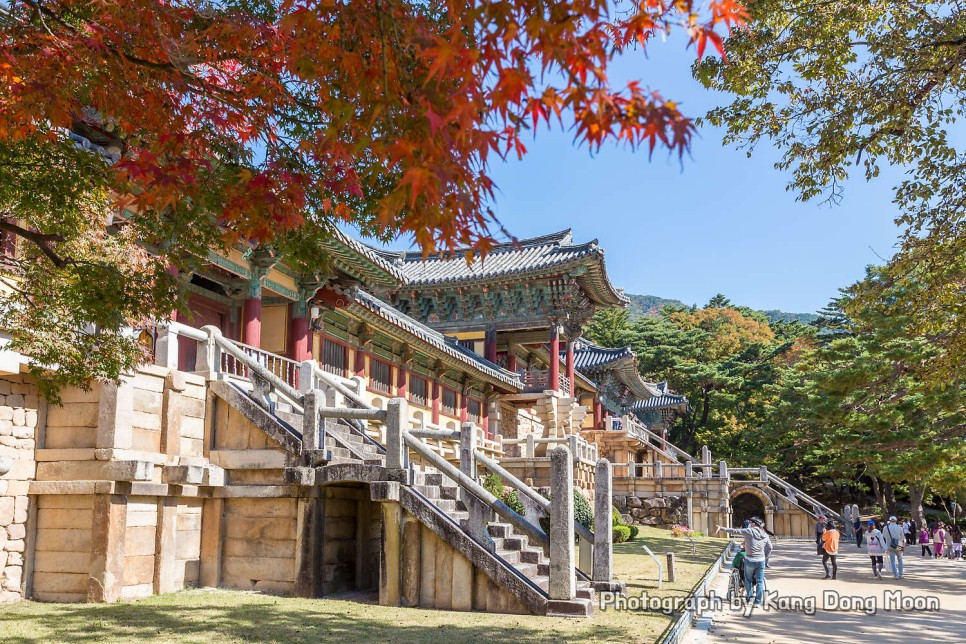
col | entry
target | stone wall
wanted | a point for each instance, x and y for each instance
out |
(259, 545)
(662, 512)
(20, 414)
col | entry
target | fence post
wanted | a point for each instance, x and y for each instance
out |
(397, 418)
(209, 353)
(723, 470)
(480, 514)
(166, 348)
(670, 567)
(563, 581)
(688, 470)
(603, 532)
(763, 473)
(658, 469)
(531, 446)
(313, 427)
(306, 375)
(705, 455)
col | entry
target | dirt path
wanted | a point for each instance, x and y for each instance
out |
(796, 577)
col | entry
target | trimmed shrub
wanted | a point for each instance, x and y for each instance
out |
(622, 533)
(634, 531)
(615, 516)
(493, 484)
(583, 514)
(512, 499)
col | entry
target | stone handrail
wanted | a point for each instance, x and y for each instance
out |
(285, 368)
(796, 494)
(580, 448)
(469, 484)
(664, 446)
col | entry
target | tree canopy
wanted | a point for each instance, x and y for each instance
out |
(266, 122)
(848, 88)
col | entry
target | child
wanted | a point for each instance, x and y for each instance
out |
(924, 542)
(875, 546)
(938, 541)
(957, 536)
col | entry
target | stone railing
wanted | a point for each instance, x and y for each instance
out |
(580, 449)
(539, 380)
(285, 368)
(639, 430)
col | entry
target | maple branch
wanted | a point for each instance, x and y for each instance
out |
(41, 240)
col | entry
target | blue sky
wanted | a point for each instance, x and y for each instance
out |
(721, 223)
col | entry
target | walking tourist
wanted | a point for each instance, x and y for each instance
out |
(906, 530)
(895, 544)
(858, 531)
(875, 546)
(956, 533)
(938, 541)
(913, 531)
(819, 529)
(757, 545)
(830, 549)
(924, 542)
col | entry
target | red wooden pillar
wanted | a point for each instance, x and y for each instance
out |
(360, 362)
(598, 413)
(437, 392)
(299, 347)
(485, 417)
(252, 329)
(570, 366)
(489, 345)
(511, 360)
(554, 383)
(402, 381)
(464, 407)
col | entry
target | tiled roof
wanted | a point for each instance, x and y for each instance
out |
(506, 260)
(354, 256)
(435, 338)
(590, 357)
(664, 401)
(593, 359)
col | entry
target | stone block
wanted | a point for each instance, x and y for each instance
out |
(188, 544)
(12, 576)
(272, 548)
(188, 522)
(6, 510)
(16, 531)
(79, 414)
(15, 400)
(14, 558)
(74, 540)
(148, 402)
(65, 501)
(262, 508)
(4, 387)
(15, 545)
(259, 528)
(192, 407)
(6, 427)
(47, 583)
(64, 518)
(138, 570)
(70, 437)
(19, 417)
(96, 470)
(655, 503)
(137, 591)
(142, 420)
(139, 541)
(633, 502)
(61, 562)
(260, 569)
(192, 427)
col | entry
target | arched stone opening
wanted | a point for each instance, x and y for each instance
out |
(745, 505)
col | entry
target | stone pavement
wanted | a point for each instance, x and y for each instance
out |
(796, 576)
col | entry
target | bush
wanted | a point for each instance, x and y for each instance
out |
(512, 499)
(583, 514)
(493, 484)
(634, 531)
(622, 533)
(615, 516)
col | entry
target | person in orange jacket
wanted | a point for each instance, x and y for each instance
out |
(830, 548)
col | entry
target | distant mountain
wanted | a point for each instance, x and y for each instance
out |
(782, 316)
(651, 306)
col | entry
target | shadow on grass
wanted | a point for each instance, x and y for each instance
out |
(202, 616)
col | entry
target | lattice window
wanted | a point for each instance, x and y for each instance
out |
(418, 390)
(380, 376)
(334, 358)
(449, 402)
(474, 410)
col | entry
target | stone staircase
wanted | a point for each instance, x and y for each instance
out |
(345, 444)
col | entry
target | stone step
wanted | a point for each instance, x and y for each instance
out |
(570, 608)
(449, 492)
(431, 492)
(532, 555)
(499, 530)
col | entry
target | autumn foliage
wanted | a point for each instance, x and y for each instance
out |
(381, 112)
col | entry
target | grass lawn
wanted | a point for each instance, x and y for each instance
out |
(208, 615)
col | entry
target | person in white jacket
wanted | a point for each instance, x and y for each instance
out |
(876, 548)
(895, 544)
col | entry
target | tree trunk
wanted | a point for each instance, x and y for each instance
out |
(889, 496)
(877, 491)
(916, 493)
